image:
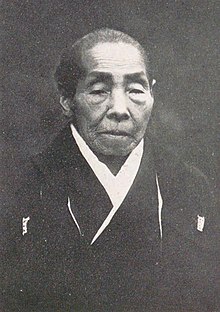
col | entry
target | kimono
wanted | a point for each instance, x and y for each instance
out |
(50, 264)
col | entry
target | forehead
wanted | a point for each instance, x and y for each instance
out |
(117, 59)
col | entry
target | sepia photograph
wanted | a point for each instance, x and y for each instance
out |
(109, 156)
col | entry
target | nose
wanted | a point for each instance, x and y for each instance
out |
(118, 108)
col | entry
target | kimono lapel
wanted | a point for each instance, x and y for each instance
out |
(89, 201)
(70, 176)
(138, 213)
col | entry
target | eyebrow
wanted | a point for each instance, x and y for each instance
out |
(96, 77)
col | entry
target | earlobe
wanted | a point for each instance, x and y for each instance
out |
(151, 89)
(67, 105)
(153, 82)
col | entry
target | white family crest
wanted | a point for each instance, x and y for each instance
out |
(24, 225)
(200, 223)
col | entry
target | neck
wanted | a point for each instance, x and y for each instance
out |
(113, 163)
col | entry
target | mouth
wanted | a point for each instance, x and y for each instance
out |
(116, 133)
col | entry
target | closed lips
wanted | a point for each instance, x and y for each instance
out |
(119, 133)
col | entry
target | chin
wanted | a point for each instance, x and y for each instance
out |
(118, 151)
(119, 147)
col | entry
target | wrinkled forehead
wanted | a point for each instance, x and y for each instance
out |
(115, 58)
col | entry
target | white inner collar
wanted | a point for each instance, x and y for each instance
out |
(117, 186)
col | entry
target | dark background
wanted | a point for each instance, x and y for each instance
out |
(182, 37)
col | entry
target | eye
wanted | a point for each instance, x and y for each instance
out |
(97, 96)
(137, 94)
(98, 92)
(136, 91)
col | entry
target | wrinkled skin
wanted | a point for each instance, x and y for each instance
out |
(113, 103)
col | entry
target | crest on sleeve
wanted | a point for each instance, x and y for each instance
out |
(24, 225)
(200, 223)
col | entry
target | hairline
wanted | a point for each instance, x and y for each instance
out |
(79, 50)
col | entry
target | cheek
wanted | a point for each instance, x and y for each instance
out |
(141, 118)
(89, 115)
(149, 103)
(141, 114)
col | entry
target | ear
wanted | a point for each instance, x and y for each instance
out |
(152, 85)
(67, 106)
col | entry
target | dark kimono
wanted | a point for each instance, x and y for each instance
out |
(48, 265)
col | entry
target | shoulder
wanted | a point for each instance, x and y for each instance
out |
(25, 195)
(190, 206)
(178, 177)
(56, 154)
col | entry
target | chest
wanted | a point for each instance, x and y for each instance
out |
(80, 201)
